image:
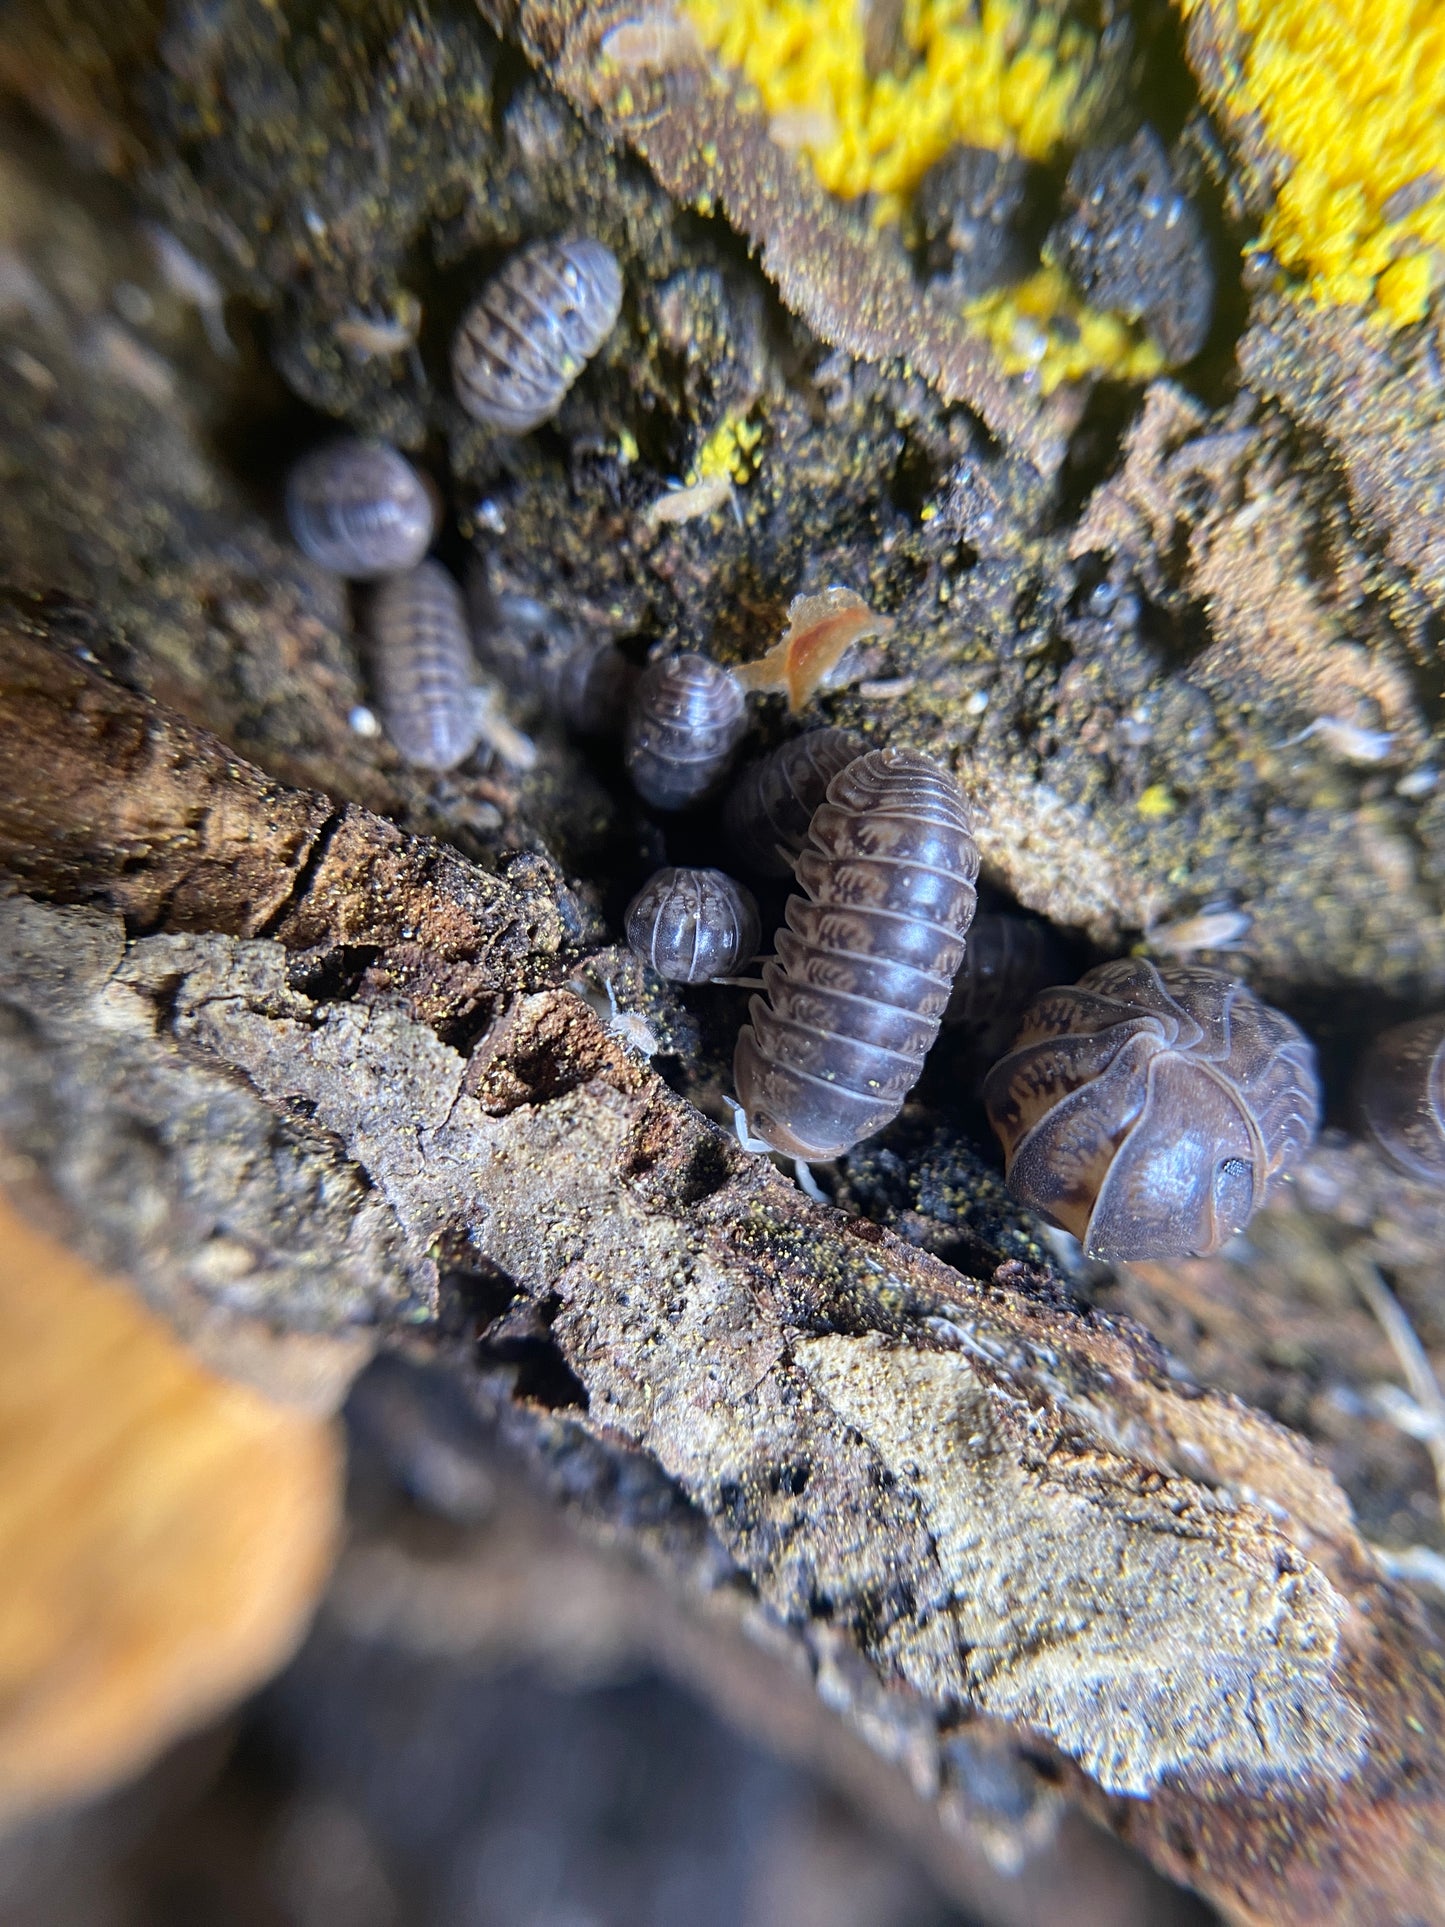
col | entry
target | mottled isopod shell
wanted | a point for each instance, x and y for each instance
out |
(532, 330)
(1009, 960)
(771, 804)
(1401, 1096)
(693, 925)
(1151, 1108)
(360, 509)
(686, 718)
(422, 667)
(865, 962)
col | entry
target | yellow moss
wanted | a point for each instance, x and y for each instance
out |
(1351, 95)
(997, 74)
(991, 73)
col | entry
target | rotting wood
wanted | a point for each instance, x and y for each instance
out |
(988, 1499)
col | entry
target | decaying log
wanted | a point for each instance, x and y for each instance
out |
(964, 1498)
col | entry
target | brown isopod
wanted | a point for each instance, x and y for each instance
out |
(532, 330)
(1401, 1096)
(1009, 960)
(360, 509)
(686, 718)
(1151, 1108)
(693, 925)
(771, 804)
(864, 964)
(422, 667)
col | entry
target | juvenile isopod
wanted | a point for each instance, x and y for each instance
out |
(1401, 1096)
(686, 718)
(422, 667)
(771, 804)
(360, 509)
(693, 925)
(1150, 1109)
(532, 330)
(865, 962)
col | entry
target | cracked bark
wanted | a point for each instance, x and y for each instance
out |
(964, 1500)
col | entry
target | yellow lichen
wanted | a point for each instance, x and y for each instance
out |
(1350, 96)
(998, 74)
(995, 73)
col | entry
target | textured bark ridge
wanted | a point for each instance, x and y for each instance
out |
(972, 1497)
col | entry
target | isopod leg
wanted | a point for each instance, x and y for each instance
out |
(808, 1184)
(740, 1125)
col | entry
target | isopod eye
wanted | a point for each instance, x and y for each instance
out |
(762, 1124)
(1234, 1191)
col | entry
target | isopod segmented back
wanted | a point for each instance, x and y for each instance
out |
(532, 330)
(693, 925)
(1009, 960)
(422, 667)
(865, 962)
(1400, 1092)
(1150, 1108)
(686, 718)
(771, 804)
(360, 509)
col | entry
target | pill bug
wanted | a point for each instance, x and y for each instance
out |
(769, 807)
(1401, 1096)
(1151, 1108)
(686, 718)
(360, 509)
(532, 330)
(592, 686)
(1009, 960)
(422, 667)
(693, 925)
(864, 963)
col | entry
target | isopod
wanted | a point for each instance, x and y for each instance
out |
(360, 509)
(422, 667)
(1401, 1096)
(771, 804)
(1150, 1109)
(1009, 960)
(592, 686)
(686, 718)
(693, 925)
(856, 992)
(531, 331)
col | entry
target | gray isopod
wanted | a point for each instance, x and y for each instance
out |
(771, 804)
(360, 509)
(592, 687)
(1009, 960)
(422, 667)
(693, 925)
(686, 718)
(532, 330)
(865, 962)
